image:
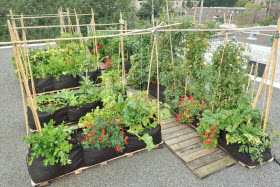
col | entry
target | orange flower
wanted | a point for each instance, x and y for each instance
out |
(90, 125)
(92, 133)
(86, 138)
(118, 149)
(125, 143)
(121, 121)
(126, 137)
(118, 117)
(111, 122)
(103, 131)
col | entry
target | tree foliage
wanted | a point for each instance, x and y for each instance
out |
(106, 11)
(219, 3)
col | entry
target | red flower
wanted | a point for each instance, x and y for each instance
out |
(135, 73)
(213, 127)
(121, 121)
(210, 143)
(181, 112)
(99, 51)
(205, 142)
(177, 119)
(111, 122)
(103, 131)
(92, 133)
(92, 140)
(128, 73)
(86, 138)
(136, 78)
(100, 138)
(202, 103)
(179, 116)
(187, 111)
(99, 46)
(126, 137)
(133, 83)
(125, 143)
(68, 62)
(118, 117)
(90, 125)
(192, 103)
(118, 149)
(211, 136)
(197, 124)
(116, 65)
(199, 135)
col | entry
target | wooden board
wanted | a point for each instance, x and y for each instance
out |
(181, 138)
(176, 133)
(214, 166)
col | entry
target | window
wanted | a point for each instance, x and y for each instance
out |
(140, 3)
(176, 3)
(219, 10)
(179, 13)
(183, 13)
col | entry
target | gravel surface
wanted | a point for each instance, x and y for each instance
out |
(156, 168)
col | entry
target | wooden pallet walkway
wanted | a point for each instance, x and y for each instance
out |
(185, 143)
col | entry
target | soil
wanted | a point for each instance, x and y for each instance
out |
(77, 137)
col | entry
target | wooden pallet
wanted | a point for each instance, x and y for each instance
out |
(80, 170)
(184, 142)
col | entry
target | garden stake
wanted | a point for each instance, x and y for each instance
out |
(150, 69)
(264, 97)
(272, 76)
(25, 80)
(249, 78)
(119, 57)
(186, 85)
(70, 29)
(95, 39)
(194, 15)
(171, 47)
(48, 16)
(123, 68)
(221, 63)
(60, 20)
(28, 61)
(157, 76)
(256, 74)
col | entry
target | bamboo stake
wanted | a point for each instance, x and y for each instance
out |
(249, 78)
(25, 81)
(122, 50)
(256, 74)
(150, 69)
(272, 77)
(157, 77)
(23, 98)
(186, 85)
(94, 40)
(137, 32)
(60, 20)
(28, 61)
(77, 23)
(70, 28)
(119, 57)
(194, 15)
(264, 97)
(50, 16)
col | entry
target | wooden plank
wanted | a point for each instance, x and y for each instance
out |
(178, 133)
(186, 143)
(213, 167)
(202, 161)
(174, 129)
(170, 125)
(181, 138)
(198, 154)
(170, 120)
(189, 149)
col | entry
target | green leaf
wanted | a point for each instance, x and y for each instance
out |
(148, 140)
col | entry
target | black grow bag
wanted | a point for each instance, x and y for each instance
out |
(127, 66)
(58, 116)
(153, 90)
(94, 156)
(232, 149)
(65, 81)
(135, 144)
(93, 76)
(41, 173)
(42, 85)
(75, 113)
(261, 68)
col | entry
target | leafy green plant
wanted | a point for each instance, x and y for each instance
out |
(52, 145)
(104, 130)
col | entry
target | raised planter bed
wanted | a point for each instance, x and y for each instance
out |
(153, 91)
(65, 81)
(66, 114)
(85, 158)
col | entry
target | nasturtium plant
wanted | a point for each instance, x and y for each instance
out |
(52, 145)
(105, 130)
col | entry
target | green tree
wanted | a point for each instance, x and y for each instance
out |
(241, 3)
(106, 11)
(250, 15)
(219, 3)
(189, 4)
(145, 11)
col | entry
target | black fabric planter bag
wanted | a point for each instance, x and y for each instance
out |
(58, 116)
(232, 149)
(135, 144)
(261, 68)
(75, 113)
(94, 156)
(127, 66)
(93, 76)
(43, 118)
(65, 81)
(42, 85)
(153, 91)
(40, 173)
